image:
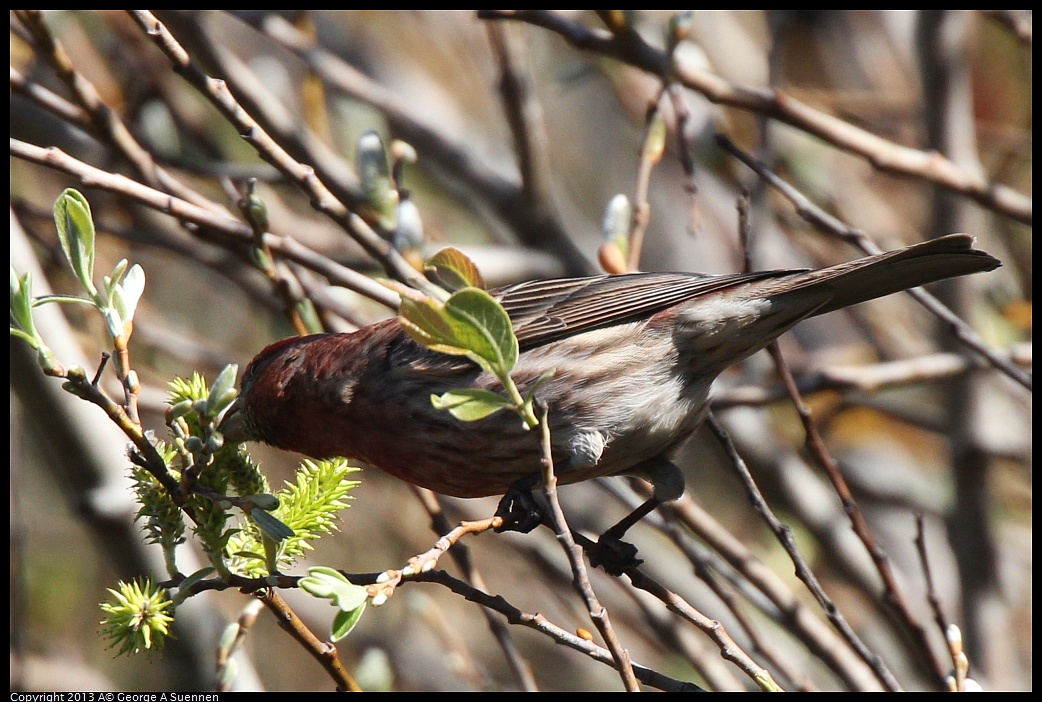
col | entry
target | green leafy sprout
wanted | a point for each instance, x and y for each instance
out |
(243, 527)
(471, 323)
(138, 617)
(348, 598)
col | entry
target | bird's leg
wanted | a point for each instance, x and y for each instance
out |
(611, 552)
(622, 526)
(521, 512)
(518, 508)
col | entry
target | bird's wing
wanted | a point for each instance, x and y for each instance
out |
(546, 310)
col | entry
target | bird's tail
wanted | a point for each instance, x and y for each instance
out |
(887, 273)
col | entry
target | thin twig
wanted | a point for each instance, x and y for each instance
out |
(815, 445)
(652, 145)
(149, 458)
(50, 101)
(559, 635)
(931, 590)
(947, 94)
(284, 127)
(461, 165)
(248, 203)
(803, 571)
(302, 174)
(883, 154)
(870, 378)
(461, 555)
(91, 177)
(729, 650)
(389, 580)
(951, 633)
(826, 222)
(322, 651)
(580, 578)
(714, 629)
(686, 150)
(524, 115)
(101, 120)
(709, 570)
(785, 606)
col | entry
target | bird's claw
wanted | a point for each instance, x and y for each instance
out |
(519, 510)
(613, 554)
(518, 517)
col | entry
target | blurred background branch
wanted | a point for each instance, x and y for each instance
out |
(878, 128)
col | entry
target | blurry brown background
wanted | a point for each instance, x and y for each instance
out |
(522, 187)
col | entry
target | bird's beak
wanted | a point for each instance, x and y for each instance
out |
(233, 426)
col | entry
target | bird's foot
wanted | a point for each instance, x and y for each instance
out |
(612, 554)
(610, 551)
(519, 509)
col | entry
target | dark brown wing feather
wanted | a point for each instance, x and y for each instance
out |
(546, 310)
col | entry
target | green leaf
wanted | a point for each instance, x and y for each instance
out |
(45, 299)
(222, 392)
(483, 327)
(22, 309)
(539, 382)
(185, 585)
(264, 501)
(119, 305)
(452, 269)
(374, 172)
(470, 323)
(470, 404)
(197, 576)
(27, 338)
(110, 281)
(330, 584)
(426, 322)
(350, 599)
(344, 622)
(248, 554)
(270, 526)
(76, 233)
